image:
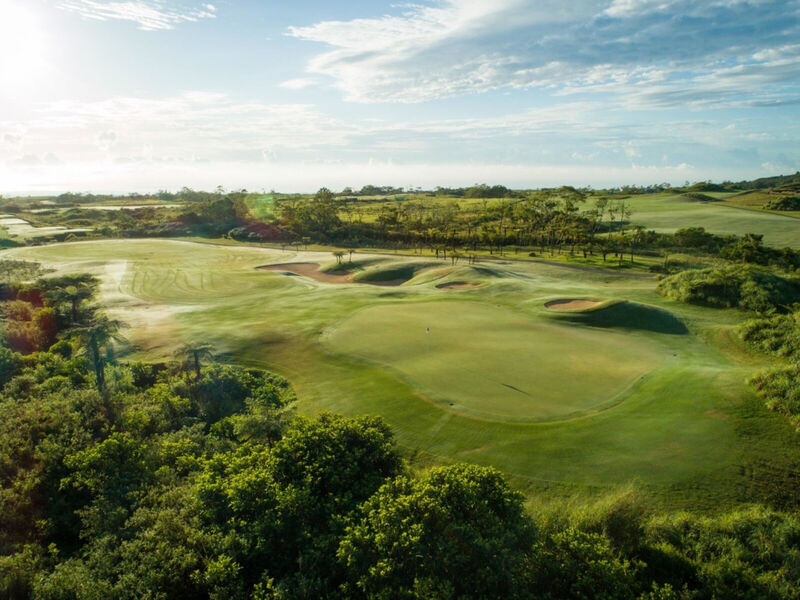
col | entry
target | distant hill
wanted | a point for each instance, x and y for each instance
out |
(784, 182)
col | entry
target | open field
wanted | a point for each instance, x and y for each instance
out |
(641, 390)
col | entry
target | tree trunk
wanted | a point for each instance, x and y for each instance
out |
(99, 367)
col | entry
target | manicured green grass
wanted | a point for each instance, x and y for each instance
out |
(494, 363)
(668, 212)
(676, 417)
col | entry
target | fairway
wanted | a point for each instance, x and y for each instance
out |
(494, 363)
(668, 212)
(646, 390)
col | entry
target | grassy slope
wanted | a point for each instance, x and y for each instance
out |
(668, 212)
(690, 432)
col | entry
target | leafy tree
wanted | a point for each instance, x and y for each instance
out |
(193, 354)
(95, 337)
(70, 291)
(458, 532)
(287, 507)
(582, 566)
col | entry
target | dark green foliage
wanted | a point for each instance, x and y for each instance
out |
(745, 287)
(10, 363)
(580, 565)
(784, 203)
(458, 532)
(67, 294)
(223, 390)
(286, 508)
(697, 238)
(767, 182)
(750, 554)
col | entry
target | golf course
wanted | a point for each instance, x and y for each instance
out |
(568, 380)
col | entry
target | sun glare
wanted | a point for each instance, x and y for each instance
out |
(22, 44)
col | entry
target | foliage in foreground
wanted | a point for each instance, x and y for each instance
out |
(779, 385)
(192, 481)
(169, 485)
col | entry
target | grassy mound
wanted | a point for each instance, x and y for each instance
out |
(395, 273)
(698, 197)
(347, 266)
(626, 315)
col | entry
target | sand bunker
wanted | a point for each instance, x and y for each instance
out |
(312, 270)
(458, 285)
(571, 304)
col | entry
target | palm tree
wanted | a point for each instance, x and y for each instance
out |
(96, 336)
(71, 290)
(339, 256)
(194, 353)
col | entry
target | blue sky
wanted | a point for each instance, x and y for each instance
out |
(137, 95)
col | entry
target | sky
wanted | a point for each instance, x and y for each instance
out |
(141, 95)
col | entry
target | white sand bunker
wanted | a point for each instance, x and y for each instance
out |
(571, 304)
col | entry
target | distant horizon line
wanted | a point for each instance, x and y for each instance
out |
(354, 190)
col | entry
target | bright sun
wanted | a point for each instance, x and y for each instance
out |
(22, 44)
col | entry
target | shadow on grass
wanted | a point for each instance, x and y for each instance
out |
(628, 315)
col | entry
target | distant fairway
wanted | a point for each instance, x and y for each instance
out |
(494, 363)
(658, 387)
(668, 212)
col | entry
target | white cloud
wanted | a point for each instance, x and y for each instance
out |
(458, 47)
(298, 83)
(149, 15)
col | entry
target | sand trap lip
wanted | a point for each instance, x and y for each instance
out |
(311, 270)
(458, 285)
(571, 304)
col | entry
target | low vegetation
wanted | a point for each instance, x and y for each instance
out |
(746, 287)
(169, 485)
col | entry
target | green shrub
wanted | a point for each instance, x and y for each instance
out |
(778, 335)
(784, 203)
(747, 287)
(780, 389)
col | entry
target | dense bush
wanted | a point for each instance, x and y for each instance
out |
(778, 334)
(457, 532)
(780, 388)
(746, 287)
(784, 203)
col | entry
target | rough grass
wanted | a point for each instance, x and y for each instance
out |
(691, 433)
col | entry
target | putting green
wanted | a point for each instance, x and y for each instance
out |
(494, 363)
